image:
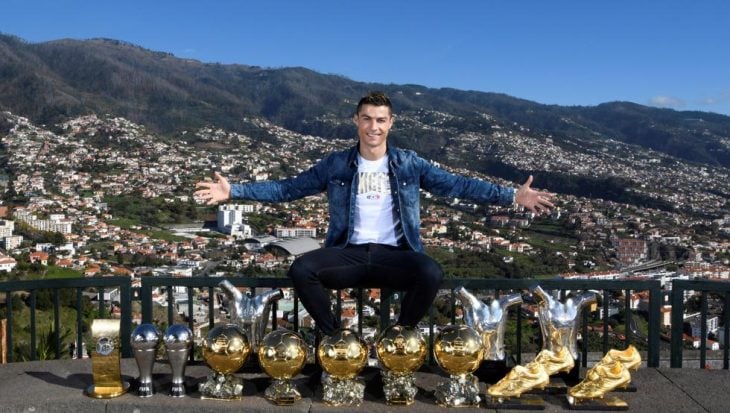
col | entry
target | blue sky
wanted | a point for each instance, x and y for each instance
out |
(580, 52)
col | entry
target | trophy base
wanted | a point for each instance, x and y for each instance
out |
(399, 388)
(177, 390)
(631, 388)
(460, 390)
(106, 392)
(282, 393)
(342, 392)
(524, 402)
(145, 390)
(609, 403)
(491, 371)
(557, 386)
(221, 387)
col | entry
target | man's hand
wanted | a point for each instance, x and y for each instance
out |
(213, 192)
(536, 201)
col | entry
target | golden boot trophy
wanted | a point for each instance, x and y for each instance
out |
(630, 358)
(105, 361)
(604, 377)
(401, 351)
(600, 380)
(555, 361)
(519, 380)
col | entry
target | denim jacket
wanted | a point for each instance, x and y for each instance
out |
(337, 174)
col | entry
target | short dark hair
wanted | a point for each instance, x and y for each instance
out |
(374, 98)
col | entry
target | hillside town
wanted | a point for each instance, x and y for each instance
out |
(64, 185)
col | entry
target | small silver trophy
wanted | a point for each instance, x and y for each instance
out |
(488, 320)
(144, 341)
(178, 339)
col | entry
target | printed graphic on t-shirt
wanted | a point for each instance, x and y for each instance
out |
(375, 184)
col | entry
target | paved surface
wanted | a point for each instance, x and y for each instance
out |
(57, 386)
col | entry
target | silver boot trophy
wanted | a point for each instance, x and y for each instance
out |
(250, 313)
(178, 339)
(559, 322)
(145, 340)
(488, 320)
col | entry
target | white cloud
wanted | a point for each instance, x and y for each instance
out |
(667, 102)
(721, 97)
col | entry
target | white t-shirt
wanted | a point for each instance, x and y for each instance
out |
(374, 218)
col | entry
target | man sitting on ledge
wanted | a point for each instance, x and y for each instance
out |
(373, 191)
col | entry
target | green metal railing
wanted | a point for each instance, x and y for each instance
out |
(494, 287)
(499, 286)
(679, 287)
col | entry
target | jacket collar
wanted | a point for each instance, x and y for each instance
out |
(392, 152)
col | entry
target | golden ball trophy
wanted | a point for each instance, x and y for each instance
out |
(105, 361)
(401, 350)
(459, 351)
(342, 356)
(225, 350)
(145, 340)
(178, 340)
(282, 355)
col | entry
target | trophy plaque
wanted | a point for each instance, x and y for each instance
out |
(105, 361)
(459, 351)
(145, 340)
(401, 350)
(225, 350)
(282, 355)
(178, 339)
(342, 356)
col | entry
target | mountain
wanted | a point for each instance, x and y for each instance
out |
(49, 82)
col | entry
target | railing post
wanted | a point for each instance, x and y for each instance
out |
(125, 301)
(33, 340)
(677, 323)
(8, 345)
(606, 305)
(726, 333)
(384, 308)
(3, 343)
(655, 294)
(57, 323)
(359, 311)
(145, 295)
(703, 330)
(79, 326)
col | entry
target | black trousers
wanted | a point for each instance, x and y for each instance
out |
(381, 265)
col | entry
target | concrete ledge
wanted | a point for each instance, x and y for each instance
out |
(57, 386)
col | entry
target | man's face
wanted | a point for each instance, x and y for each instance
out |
(373, 124)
